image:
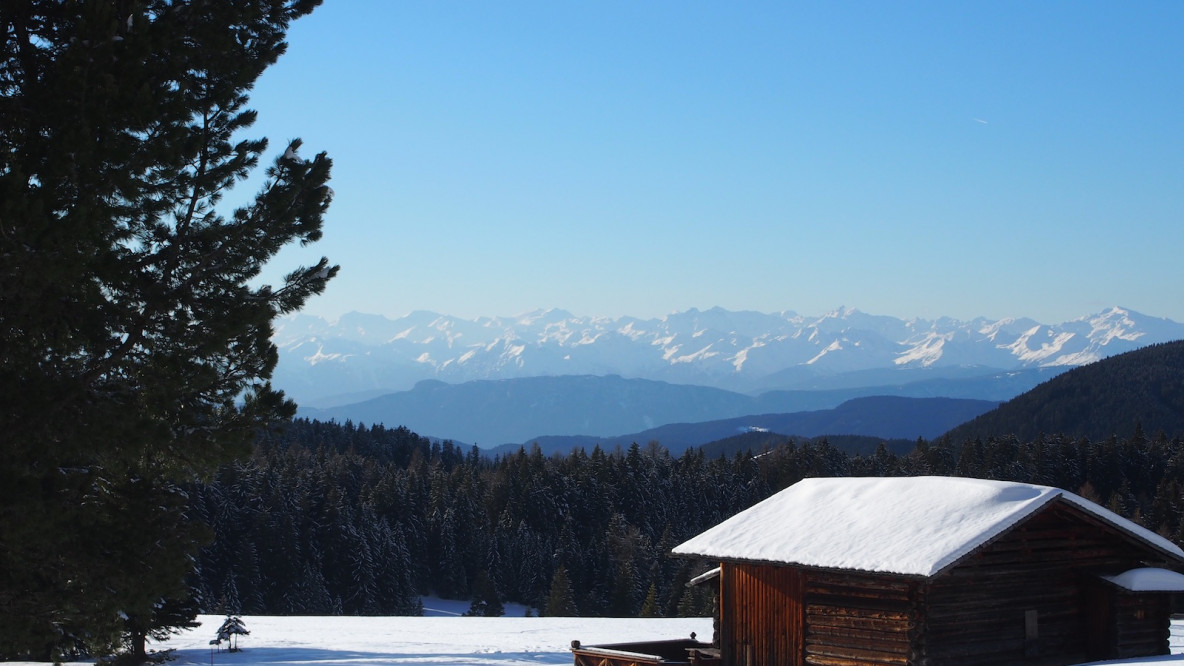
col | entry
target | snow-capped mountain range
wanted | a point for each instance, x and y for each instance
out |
(324, 362)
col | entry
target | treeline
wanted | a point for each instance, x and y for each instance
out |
(339, 519)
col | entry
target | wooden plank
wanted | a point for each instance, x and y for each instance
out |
(825, 660)
(816, 610)
(856, 581)
(863, 623)
(863, 656)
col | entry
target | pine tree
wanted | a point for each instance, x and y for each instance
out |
(621, 603)
(560, 601)
(486, 602)
(696, 601)
(133, 337)
(153, 563)
(231, 629)
(170, 616)
(649, 608)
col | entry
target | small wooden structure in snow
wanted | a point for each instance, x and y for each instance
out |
(933, 571)
(651, 653)
(936, 570)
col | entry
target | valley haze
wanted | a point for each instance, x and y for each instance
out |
(685, 367)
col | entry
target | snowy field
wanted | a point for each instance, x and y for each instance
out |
(442, 637)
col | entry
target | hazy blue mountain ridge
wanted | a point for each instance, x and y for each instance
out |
(880, 417)
(613, 409)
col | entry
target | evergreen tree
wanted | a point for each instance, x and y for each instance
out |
(560, 601)
(170, 616)
(134, 340)
(649, 608)
(486, 602)
(153, 563)
(231, 629)
(621, 604)
(696, 601)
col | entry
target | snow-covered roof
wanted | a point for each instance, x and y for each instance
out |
(1148, 579)
(910, 525)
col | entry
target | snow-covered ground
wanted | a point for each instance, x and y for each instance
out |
(442, 637)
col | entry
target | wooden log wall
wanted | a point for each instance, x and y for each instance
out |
(1023, 599)
(1142, 625)
(859, 620)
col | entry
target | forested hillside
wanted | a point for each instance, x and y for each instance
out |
(326, 518)
(1142, 387)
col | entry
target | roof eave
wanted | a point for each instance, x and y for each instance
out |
(812, 567)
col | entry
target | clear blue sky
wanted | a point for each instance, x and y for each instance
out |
(638, 158)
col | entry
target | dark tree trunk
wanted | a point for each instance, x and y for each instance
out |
(139, 652)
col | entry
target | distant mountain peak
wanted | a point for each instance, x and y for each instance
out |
(740, 351)
(841, 312)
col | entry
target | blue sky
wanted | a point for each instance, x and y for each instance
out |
(912, 159)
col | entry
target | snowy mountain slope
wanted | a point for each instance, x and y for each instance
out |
(740, 351)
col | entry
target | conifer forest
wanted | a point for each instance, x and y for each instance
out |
(338, 519)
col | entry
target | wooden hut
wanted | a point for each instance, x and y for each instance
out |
(933, 571)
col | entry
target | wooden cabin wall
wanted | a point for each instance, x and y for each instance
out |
(760, 615)
(1142, 625)
(859, 620)
(1023, 599)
